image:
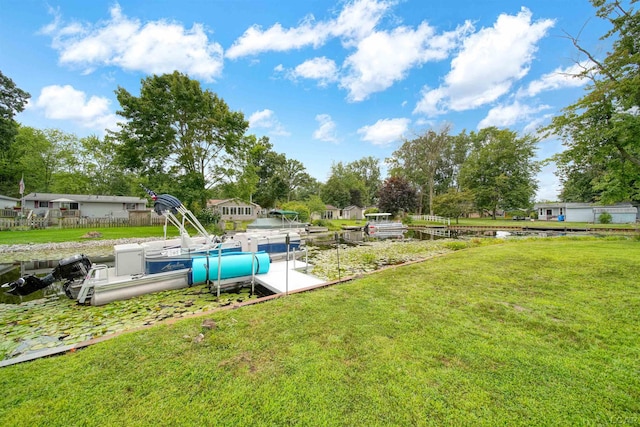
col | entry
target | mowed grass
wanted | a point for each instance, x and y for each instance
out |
(56, 235)
(532, 332)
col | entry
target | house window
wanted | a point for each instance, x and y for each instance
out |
(560, 211)
(43, 204)
(130, 206)
(247, 211)
(233, 210)
(225, 210)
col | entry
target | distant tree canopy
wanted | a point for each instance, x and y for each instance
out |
(430, 162)
(175, 131)
(601, 131)
(356, 183)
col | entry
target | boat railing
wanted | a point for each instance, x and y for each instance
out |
(99, 273)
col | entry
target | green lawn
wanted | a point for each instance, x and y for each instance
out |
(47, 235)
(530, 332)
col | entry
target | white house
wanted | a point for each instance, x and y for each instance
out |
(7, 202)
(80, 205)
(235, 209)
(621, 213)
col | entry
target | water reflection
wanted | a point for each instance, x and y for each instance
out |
(11, 272)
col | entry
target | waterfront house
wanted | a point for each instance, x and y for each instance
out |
(621, 213)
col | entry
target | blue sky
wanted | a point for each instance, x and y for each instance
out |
(326, 81)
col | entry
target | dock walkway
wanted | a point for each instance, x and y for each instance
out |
(286, 277)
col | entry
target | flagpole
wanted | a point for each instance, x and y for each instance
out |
(22, 195)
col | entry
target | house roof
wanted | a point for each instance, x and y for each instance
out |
(47, 197)
(595, 207)
(330, 208)
(216, 202)
(8, 198)
(351, 207)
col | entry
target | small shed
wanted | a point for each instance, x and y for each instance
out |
(352, 212)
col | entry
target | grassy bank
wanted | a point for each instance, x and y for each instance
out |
(534, 332)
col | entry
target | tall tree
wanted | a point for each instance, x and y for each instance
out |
(367, 169)
(430, 161)
(12, 101)
(45, 155)
(602, 129)
(397, 194)
(500, 170)
(175, 128)
(344, 187)
(294, 175)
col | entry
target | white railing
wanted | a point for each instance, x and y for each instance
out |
(432, 218)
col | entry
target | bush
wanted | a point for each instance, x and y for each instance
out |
(605, 218)
(208, 216)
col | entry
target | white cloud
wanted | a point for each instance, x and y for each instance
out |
(327, 129)
(266, 119)
(384, 131)
(356, 20)
(382, 58)
(67, 103)
(322, 69)
(490, 61)
(153, 47)
(507, 115)
(558, 79)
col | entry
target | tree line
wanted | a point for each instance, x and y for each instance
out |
(179, 138)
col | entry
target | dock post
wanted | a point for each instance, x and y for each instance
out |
(287, 240)
(219, 272)
(253, 269)
(338, 253)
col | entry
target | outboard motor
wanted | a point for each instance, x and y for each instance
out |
(68, 269)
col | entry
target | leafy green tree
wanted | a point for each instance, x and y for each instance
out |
(453, 204)
(578, 183)
(602, 129)
(97, 162)
(297, 206)
(367, 170)
(294, 175)
(397, 194)
(12, 101)
(500, 170)
(344, 187)
(430, 162)
(315, 205)
(175, 131)
(46, 155)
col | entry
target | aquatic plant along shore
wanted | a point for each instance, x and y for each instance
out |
(57, 321)
(54, 251)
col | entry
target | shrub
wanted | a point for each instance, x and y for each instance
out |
(605, 218)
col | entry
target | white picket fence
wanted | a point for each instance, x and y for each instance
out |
(432, 218)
